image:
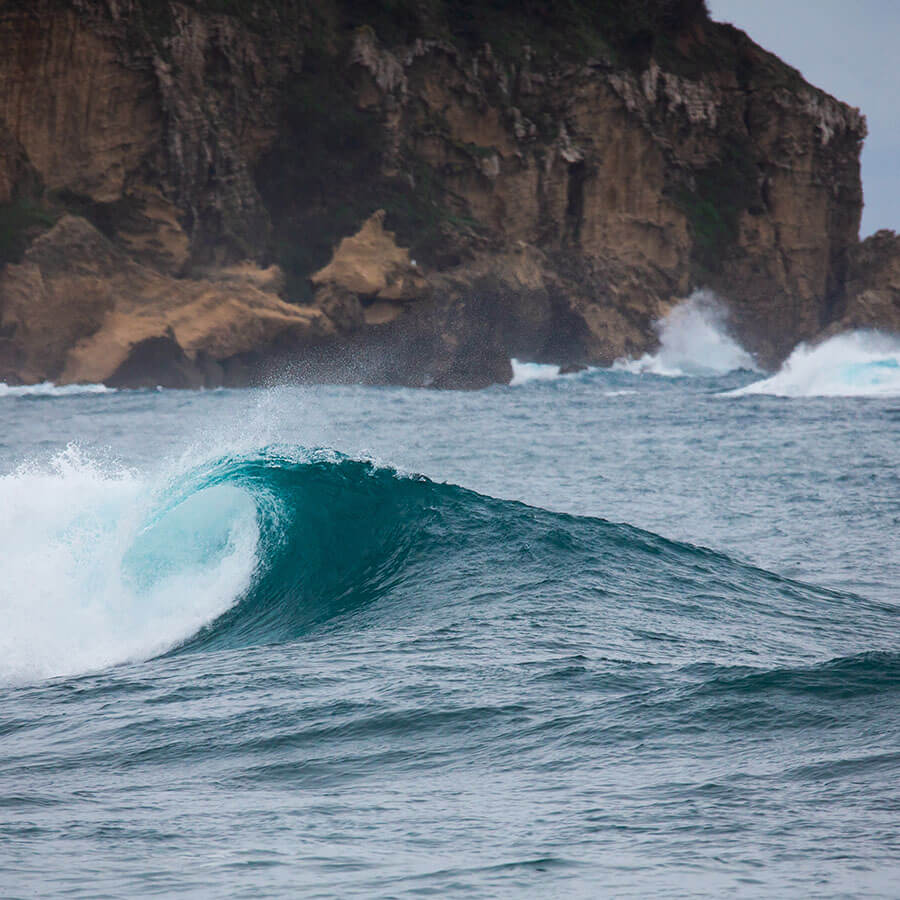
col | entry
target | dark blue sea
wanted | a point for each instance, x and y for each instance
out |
(625, 633)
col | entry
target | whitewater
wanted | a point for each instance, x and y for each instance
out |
(627, 632)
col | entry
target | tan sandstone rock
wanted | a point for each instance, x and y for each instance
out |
(79, 310)
(371, 265)
(557, 203)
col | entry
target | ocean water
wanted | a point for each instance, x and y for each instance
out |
(628, 632)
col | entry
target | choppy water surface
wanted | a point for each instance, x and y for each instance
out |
(618, 633)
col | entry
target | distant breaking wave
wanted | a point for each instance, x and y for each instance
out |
(694, 341)
(529, 373)
(48, 389)
(526, 372)
(855, 364)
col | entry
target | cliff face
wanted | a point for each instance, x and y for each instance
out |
(559, 176)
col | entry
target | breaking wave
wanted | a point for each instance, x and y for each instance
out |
(547, 374)
(693, 341)
(103, 566)
(855, 364)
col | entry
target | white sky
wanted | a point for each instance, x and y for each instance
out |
(849, 48)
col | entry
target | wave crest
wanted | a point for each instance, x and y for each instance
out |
(49, 389)
(101, 565)
(526, 372)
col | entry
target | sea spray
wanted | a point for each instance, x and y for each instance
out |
(693, 340)
(100, 567)
(526, 372)
(854, 364)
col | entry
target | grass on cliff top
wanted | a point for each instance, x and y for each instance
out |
(626, 32)
(556, 31)
(563, 30)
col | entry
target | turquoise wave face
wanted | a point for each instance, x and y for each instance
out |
(344, 544)
(192, 534)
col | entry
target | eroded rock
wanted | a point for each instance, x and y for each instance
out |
(78, 309)
(874, 285)
(371, 265)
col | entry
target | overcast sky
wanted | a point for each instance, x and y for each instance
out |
(850, 49)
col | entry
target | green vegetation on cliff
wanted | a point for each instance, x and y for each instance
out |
(713, 204)
(20, 221)
(565, 29)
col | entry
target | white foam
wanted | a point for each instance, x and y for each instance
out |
(96, 572)
(525, 372)
(693, 340)
(48, 389)
(854, 364)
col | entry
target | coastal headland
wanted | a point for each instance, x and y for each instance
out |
(230, 192)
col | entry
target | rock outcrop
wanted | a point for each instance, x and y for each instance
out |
(404, 192)
(372, 266)
(78, 309)
(18, 178)
(873, 286)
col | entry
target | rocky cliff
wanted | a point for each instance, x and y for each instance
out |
(873, 286)
(225, 191)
